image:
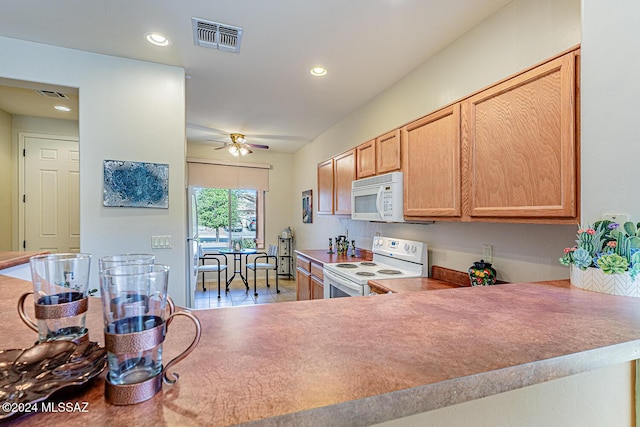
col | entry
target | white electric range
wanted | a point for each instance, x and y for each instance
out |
(392, 259)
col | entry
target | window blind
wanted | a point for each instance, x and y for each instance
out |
(217, 174)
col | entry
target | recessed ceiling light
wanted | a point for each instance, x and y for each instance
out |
(318, 71)
(62, 108)
(157, 39)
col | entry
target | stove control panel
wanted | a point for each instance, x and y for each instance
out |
(405, 249)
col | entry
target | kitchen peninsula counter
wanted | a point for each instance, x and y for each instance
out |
(285, 363)
(11, 259)
(412, 284)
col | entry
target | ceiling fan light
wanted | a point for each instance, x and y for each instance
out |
(237, 138)
(244, 151)
(233, 149)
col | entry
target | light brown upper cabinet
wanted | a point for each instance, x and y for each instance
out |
(378, 156)
(507, 153)
(325, 187)
(366, 159)
(431, 159)
(344, 174)
(388, 152)
(521, 144)
(334, 183)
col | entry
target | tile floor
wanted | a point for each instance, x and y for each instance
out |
(238, 295)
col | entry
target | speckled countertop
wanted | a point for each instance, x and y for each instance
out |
(317, 363)
(322, 257)
(11, 259)
(410, 285)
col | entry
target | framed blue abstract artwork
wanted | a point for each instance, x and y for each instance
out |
(136, 184)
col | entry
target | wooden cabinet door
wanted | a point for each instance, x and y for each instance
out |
(325, 187)
(344, 174)
(303, 284)
(366, 159)
(317, 288)
(521, 142)
(388, 157)
(431, 162)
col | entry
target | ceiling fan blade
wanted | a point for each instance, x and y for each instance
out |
(265, 147)
(220, 148)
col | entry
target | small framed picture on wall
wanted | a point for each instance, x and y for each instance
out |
(307, 207)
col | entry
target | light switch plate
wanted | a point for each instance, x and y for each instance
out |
(487, 253)
(161, 242)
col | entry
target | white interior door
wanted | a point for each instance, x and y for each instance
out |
(51, 194)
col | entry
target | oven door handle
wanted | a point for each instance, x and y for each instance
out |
(341, 283)
(379, 202)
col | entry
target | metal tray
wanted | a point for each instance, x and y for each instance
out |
(31, 375)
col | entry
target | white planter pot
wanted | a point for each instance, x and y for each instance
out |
(593, 279)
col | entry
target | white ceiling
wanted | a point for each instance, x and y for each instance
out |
(265, 91)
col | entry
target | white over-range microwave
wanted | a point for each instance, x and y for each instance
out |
(378, 198)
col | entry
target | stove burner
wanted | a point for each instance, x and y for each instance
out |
(365, 273)
(389, 272)
(346, 266)
(368, 264)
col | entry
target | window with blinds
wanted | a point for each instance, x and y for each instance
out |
(230, 202)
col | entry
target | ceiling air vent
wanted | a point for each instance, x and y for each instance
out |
(52, 94)
(215, 35)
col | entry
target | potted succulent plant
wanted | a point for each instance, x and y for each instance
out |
(606, 258)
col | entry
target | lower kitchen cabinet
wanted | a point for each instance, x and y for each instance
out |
(317, 288)
(317, 281)
(309, 279)
(303, 284)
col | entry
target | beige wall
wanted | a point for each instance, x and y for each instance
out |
(522, 34)
(6, 170)
(43, 125)
(129, 110)
(610, 125)
(279, 199)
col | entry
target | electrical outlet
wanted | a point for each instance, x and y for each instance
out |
(620, 218)
(160, 242)
(487, 253)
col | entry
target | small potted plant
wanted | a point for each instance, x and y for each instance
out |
(606, 258)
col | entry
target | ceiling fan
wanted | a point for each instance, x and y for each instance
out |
(239, 145)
